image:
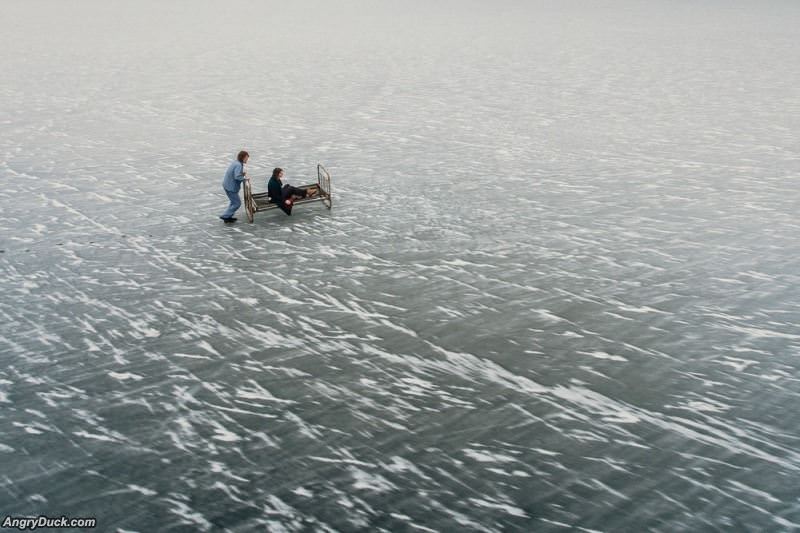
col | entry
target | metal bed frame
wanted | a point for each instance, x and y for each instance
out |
(261, 201)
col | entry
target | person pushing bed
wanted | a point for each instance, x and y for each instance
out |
(231, 183)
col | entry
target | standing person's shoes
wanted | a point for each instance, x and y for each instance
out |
(229, 220)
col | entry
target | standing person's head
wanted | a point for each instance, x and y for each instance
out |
(277, 173)
(243, 157)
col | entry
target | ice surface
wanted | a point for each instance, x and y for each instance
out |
(558, 287)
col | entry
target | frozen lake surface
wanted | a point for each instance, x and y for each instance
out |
(558, 287)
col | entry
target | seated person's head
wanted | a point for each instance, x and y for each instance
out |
(277, 173)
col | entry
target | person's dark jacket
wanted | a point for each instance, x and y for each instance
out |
(275, 192)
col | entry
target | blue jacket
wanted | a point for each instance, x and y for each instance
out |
(233, 177)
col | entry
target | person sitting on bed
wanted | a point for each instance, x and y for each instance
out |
(285, 195)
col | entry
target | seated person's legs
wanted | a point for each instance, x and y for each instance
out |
(296, 192)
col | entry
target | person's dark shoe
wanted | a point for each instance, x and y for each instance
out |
(229, 220)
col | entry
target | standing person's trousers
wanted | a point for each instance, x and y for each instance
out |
(235, 204)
